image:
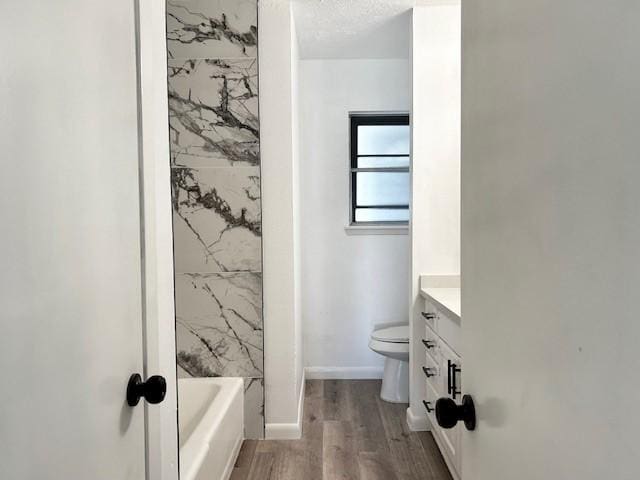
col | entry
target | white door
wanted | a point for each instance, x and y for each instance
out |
(70, 274)
(551, 238)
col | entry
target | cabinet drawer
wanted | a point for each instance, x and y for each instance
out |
(450, 330)
(431, 344)
(445, 324)
(430, 314)
(433, 374)
(449, 440)
(431, 399)
(451, 371)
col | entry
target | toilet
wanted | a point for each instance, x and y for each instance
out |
(393, 344)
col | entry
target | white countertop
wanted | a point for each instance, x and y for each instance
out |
(445, 298)
(444, 290)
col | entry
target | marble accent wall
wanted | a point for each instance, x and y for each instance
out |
(215, 177)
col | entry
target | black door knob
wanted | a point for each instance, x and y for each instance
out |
(448, 414)
(153, 390)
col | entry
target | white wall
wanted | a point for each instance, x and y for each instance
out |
(349, 283)
(278, 157)
(551, 238)
(435, 202)
(297, 224)
(162, 441)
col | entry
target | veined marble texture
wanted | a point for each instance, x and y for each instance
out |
(254, 408)
(213, 112)
(217, 219)
(215, 176)
(219, 324)
(212, 28)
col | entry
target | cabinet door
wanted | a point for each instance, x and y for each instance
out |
(451, 371)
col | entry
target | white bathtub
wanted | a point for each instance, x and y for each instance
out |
(211, 424)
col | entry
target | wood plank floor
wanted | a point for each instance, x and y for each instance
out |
(349, 433)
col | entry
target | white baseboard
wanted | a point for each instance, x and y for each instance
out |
(343, 373)
(301, 400)
(288, 431)
(417, 423)
(282, 431)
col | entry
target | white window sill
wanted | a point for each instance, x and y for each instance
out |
(377, 229)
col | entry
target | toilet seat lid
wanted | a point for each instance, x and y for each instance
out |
(398, 334)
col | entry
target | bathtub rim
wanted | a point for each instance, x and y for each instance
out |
(195, 449)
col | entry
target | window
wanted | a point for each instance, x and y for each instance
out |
(379, 169)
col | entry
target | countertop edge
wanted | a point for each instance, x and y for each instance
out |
(429, 294)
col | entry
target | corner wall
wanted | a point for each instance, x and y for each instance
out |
(435, 165)
(278, 114)
(162, 428)
(296, 119)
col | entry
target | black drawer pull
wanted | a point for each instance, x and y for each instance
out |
(428, 316)
(429, 343)
(452, 388)
(428, 406)
(428, 372)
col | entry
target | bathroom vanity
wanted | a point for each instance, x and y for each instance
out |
(442, 361)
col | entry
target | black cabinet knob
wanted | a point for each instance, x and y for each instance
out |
(448, 414)
(153, 390)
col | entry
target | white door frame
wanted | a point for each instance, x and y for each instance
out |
(159, 327)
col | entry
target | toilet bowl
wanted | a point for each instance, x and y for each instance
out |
(393, 344)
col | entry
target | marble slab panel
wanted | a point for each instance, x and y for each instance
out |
(254, 408)
(217, 224)
(213, 112)
(212, 28)
(219, 324)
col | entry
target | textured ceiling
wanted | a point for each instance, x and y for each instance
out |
(353, 28)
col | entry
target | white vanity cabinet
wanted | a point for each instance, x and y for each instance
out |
(442, 367)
